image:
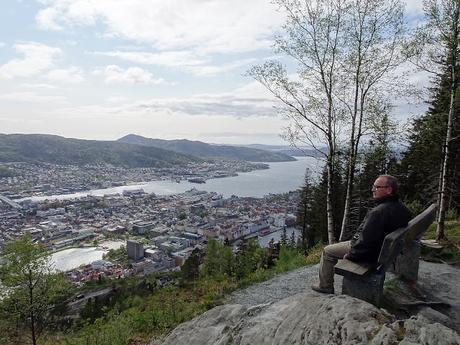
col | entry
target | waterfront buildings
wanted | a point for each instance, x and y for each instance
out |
(172, 225)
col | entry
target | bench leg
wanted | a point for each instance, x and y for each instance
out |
(368, 288)
(407, 263)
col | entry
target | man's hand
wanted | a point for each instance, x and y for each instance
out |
(345, 256)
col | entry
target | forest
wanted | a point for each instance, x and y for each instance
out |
(355, 60)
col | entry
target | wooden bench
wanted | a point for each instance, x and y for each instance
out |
(400, 253)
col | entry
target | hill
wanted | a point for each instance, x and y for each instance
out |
(203, 150)
(59, 150)
(301, 151)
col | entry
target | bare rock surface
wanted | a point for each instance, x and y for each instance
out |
(284, 310)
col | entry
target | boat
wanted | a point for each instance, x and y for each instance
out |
(196, 180)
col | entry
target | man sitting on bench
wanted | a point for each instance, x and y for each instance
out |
(389, 214)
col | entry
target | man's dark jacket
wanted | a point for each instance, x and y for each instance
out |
(389, 214)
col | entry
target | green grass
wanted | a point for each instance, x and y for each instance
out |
(450, 252)
(289, 260)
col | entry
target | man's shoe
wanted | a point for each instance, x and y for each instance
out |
(320, 289)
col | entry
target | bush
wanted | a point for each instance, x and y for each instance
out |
(140, 313)
(289, 259)
(452, 214)
(414, 206)
(314, 254)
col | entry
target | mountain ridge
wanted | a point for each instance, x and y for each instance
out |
(205, 151)
(68, 151)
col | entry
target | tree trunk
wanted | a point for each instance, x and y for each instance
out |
(330, 201)
(31, 314)
(354, 142)
(442, 196)
(348, 195)
(446, 159)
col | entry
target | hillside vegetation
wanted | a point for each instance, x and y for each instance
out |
(203, 150)
(140, 309)
(59, 150)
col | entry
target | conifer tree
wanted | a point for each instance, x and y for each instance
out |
(283, 239)
(437, 48)
(304, 213)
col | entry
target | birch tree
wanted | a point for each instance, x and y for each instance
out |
(445, 17)
(345, 51)
(313, 36)
(374, 36)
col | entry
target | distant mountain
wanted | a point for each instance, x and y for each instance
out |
(288, 150)
(60, 150)
(203, 150)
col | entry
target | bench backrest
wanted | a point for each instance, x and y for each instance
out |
(394, 241)
(420, 224)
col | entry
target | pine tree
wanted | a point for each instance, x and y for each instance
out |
(283, 239)
(292, 242)
(422, 161)
(437, 47)
(304, 213)
(190, 270)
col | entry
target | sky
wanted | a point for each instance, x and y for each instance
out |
(169, 69)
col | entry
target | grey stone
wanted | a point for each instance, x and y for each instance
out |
(436, 316)
(284, 310)
(419, 330)
(307, 320)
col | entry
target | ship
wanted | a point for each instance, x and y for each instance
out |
(196, 180)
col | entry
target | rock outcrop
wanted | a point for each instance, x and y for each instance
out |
(306, 317)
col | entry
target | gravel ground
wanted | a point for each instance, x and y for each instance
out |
(279, 287)
(440, 279)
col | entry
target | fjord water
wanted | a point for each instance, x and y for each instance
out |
(281, 177)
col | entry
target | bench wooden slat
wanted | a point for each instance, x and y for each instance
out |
(418, 225)
(345, 267)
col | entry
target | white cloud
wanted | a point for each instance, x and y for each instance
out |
(212, 26)
(37, 58)
(69, 75)
(168, 58)
(30, 96)
(211, 70)
(131, 75)
(90, 122)
(226, 104)
(46, 19)
(184, 60)
(239, 137)
(2, 44)
(38, 86)
(253, 89)
(117, 99)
